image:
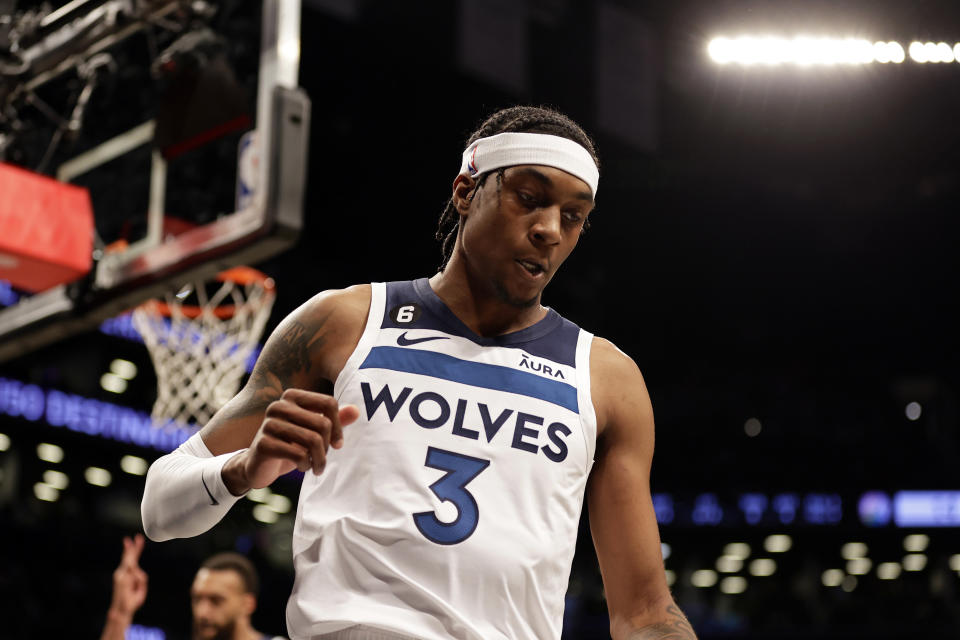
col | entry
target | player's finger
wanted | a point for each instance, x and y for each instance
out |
(295, 414)
(347, 414)
(314, 442)
(303, 457)
(321, 403)
(138, 542)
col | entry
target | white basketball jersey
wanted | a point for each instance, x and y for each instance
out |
(453, 507)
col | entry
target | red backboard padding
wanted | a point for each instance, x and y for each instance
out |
(46, 230)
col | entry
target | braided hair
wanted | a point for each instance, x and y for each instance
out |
(512, 119)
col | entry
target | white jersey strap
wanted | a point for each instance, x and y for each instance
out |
(184, 494)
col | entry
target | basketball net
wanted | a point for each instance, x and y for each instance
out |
(200, 340)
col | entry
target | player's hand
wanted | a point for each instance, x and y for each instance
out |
(296, 432)
(129, 580)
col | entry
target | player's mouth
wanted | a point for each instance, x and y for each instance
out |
(533, 268)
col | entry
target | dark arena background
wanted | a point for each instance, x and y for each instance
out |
(775, 244)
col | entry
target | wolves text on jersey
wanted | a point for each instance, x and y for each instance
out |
(526, 434)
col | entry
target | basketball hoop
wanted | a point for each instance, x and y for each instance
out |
(200, 339)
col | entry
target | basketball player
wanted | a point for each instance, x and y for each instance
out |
(448, 427)
(223, 596)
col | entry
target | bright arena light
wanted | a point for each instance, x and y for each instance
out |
(737, 549)
(97, 477)
(56, 479)
(123, 368)
(4, 442)
(729, 564)
(888, 570)
(279, 503)
(955, 562)
(45, 492)
(916, 542)
(778, 543)
(913, 411)
(762, 567)
(704, 578)
(265, 514)
(733, 584)
(914, 562)
(853, 550)
(259, 495)
(133, 465)
(832, 577)
(806, 51)
(671, 577)
(859, 566)
(665, 550)
(49, 452)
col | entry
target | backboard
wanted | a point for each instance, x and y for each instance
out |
(72, 45)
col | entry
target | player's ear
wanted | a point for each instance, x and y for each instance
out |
(249, 603)
(463, 187)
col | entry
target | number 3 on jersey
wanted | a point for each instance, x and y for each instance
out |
(460, 470)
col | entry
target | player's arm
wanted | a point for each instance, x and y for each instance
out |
(283, 419)
(622, 518)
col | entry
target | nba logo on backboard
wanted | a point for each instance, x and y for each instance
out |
(248, 170)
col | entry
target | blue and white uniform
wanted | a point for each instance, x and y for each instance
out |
(453, 507)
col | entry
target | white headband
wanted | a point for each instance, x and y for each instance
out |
(509, 149)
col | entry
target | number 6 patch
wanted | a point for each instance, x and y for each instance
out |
(460, 470)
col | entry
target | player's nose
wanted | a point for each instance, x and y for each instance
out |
(545, 227)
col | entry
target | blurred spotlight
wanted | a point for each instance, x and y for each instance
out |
(265, 514)
(848, 584)
(955, 562)
(671, 577)
(4, 442)
(703, 578)
(888, 570)
(914, 562)
(56, 479)
(729, 564)
(113, 383)
(45, 492)
(733, 584)
(49, 452)
(752, 427)
(917, 52)
(944, 52)
(279, 503)
(896, 52)
(859, 566)
(763, 567)
(259, 495)
(97, 477)
(956, 52)
(916, 542)
(913, 411)
(133, 465)
(665, 550)
(832, 577)
(778, 543)
(853, 550)
(720, 50)
(123, 368)
(738, 550)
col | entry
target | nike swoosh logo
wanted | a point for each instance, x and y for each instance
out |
(404, 341)
(213, 501)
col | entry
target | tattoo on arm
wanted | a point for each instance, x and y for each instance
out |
(676, 629)
(290, 357)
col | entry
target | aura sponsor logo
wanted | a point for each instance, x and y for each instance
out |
(529, 363)
(430, 410)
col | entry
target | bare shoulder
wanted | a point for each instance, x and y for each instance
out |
(320, 334)
(619, 392)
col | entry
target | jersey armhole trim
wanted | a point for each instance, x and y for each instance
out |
(378, 300)
(588, 416)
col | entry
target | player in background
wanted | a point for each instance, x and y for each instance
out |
(223, 596)
(449, 426)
